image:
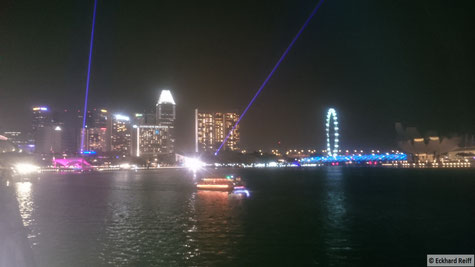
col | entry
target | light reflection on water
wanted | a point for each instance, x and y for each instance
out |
(165, 224)
(336, 226)
(26, 207)
(327, 216)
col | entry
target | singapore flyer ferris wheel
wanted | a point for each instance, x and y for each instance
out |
(331, 129)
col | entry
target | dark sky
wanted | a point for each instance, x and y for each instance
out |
(376, 62)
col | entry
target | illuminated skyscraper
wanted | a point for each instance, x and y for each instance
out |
(151, 141)
(165, 116)
(97, 118)
(46, 133)
(120, 134)
(41, 118)
(212, 128)
(96, 137)
(166, 109)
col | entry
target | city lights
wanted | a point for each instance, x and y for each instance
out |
(166, 98)
(26, 168)
(357, 158)
(125, 166)
(99, 165)
(121, 117)
(194, 164)
(242, 192)
(40, 109)
(331, 116)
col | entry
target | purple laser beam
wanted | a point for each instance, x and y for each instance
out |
(88, 77)
(271, 73)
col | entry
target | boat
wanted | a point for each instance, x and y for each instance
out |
(220, 184)
(228, 183)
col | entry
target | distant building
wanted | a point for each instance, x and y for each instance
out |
(96, 139)
(424, 148)
(212, 128)
(20, 140)
(151, 141)
(46, 132)
(17, 138)
(97, 118)
(72, 122)
(144, 119)
(49, 139)
(464, 153)
(165, 113)
(165, 116)
(6, 146)
(120, 135)
(96, 136)
(41, 118)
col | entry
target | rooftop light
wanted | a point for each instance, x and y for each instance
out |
(166, 97)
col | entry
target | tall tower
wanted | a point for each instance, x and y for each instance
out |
(96, 137)
(166, 117)
(120, 135)
(41, 118)
(212, 128)
(166, 108)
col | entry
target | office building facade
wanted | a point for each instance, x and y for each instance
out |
(212, 128)
(120, 135)
(165, 116)
(151, 141)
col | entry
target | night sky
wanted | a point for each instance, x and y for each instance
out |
(376, 62)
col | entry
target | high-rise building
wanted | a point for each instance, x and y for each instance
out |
(97, 118)
(16, 138)
(165, 116)
(166, 109)
(204, 132)
(120, 134)
(144, 119)
(212, 129)
(41, 118)
(49, 139)
(96, 137)
(19, 139)
(151, 141)
(46, 133)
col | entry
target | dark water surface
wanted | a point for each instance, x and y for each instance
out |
(327, 216)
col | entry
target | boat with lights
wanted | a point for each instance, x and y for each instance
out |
(219, 184)
(228, 183)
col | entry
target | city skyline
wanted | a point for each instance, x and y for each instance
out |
(224, 63)
(246, 133)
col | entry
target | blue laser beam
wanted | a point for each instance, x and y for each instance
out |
(271, 73)
(88, 77)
